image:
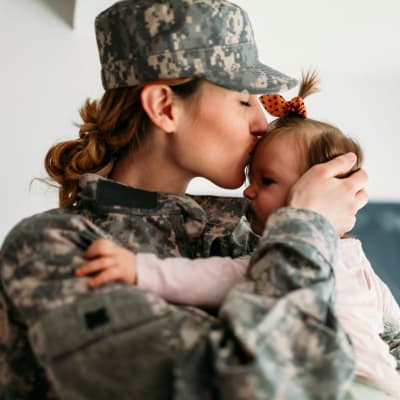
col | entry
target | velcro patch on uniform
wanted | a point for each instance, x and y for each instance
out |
(96, 318)
(115, 194)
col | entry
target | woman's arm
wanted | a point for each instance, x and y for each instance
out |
(276, 333)
(21, 376)
(282, 317)
(37, 260)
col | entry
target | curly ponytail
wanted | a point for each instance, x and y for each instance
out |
(111, 126)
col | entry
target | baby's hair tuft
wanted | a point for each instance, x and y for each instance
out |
(309, 84)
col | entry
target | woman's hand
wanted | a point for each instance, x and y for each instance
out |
(106, 262)
(337, 199)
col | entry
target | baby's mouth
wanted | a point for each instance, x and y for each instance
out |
(250, 214)
(253, 221)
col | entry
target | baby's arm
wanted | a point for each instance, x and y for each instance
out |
(200, 282)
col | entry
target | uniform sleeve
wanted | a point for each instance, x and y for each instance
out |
(36, 258)
(276, 335)
(202, 282)
(282, 316)
(239, 242)
(20, 375)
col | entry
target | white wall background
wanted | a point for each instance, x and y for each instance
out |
(48, 68)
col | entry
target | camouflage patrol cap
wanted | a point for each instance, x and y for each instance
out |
(147, 40)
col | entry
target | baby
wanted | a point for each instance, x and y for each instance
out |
(294, 143)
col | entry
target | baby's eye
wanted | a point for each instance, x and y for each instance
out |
(245, 103)
(267, 181)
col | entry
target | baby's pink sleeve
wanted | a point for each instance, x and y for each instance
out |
(391, 309)
(202, 282)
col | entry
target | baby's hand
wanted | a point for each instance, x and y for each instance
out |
(108, 262)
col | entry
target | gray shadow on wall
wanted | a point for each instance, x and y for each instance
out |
(63, 9)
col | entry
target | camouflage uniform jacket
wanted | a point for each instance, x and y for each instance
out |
(275, 336)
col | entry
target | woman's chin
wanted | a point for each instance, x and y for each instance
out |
(234, 183)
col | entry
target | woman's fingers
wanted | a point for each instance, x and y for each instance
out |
(339, 165)
(338, 199)
(361, 198)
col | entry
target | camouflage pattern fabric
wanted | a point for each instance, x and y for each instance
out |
(275, 337)
(392, 338)
(146, 40)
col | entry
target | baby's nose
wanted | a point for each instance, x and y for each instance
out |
(249, 192)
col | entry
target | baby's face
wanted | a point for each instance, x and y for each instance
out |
(274, 169)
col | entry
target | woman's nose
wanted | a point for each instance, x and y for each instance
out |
(249, 192)
(259, 123)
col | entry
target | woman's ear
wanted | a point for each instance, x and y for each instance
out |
(158, 101)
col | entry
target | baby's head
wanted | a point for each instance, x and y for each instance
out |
(292, 145)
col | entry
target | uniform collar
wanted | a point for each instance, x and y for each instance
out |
(106, 192)
(96, 191)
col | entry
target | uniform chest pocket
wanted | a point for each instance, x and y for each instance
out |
(93, 348)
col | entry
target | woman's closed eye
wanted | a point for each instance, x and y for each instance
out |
(245, 103)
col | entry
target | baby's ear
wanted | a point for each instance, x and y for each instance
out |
(158, 102)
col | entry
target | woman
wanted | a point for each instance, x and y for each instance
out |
(180, 80)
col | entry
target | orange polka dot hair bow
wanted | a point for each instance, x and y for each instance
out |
(277, 106)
